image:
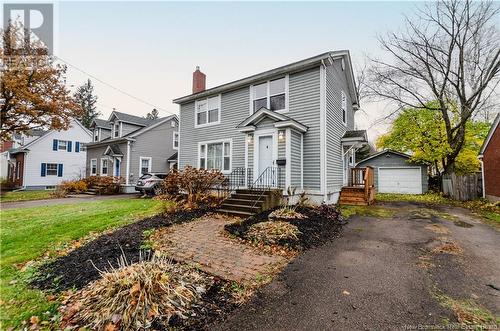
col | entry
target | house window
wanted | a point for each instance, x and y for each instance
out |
(96, 135)
(83, 146)
(216, 155)
(62, 145)
(172, 123)
(271, 95)
(93, 167)
(104, 167)
(344, 107)
(145, 163)
(207, 111)
(176, 140)
(116, 129)
(51, 169)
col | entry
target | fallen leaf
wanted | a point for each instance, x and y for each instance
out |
(346, 292)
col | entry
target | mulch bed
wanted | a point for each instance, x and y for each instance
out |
(79, 267)
(315, 230)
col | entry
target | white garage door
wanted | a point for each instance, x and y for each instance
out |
(399, 180)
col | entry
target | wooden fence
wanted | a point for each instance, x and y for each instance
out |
(463, 188)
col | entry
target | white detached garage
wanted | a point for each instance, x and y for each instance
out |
(394, 173)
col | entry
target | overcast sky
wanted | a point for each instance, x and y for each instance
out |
(150, 49)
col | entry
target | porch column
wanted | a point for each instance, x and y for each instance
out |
(288, 156)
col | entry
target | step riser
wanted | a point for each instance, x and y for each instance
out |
(248, 209)
(248, 197)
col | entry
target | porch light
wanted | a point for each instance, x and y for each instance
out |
(281, 135)
(249, 138)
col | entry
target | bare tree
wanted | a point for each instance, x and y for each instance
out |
(448, 52)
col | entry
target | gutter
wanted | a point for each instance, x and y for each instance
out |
(110, 141)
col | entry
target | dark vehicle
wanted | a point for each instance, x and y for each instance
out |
(150, 183)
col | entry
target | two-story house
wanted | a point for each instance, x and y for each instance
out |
(129, 146)
(43, 159)
(291, 126)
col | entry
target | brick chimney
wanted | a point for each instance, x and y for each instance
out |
(199, 81)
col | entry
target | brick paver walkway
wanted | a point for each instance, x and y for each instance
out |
(203, 242)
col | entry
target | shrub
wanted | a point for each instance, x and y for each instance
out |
(286, 213)
(273, 232)
(104, 184)
(133, 297)
(59, 192)
(329, 212)
(77, 186)
(196, 183)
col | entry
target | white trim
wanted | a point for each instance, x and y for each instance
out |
(127, 166)
(382, 153)
(268, 95)
(288, 157)
(491, 132)
(107, 167)
(90, 173)
(342, 108)
(117, 161)
(262, 133)
(173, 139)
(217, 141)
(196, 125)
(150, 164)
(322, 129)
(246, 155)
(302, 161)
(180, 150)
(299, 127)
(377, 184)
(121, 128)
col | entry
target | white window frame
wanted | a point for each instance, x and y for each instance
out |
(47, 169)
(59, 144)
(83, 146)
(343, 106)
(175, 134)
(268, 103)
(196, 125)
(219, 141)
(107, 167)
(116, 130)
(150, 164)
(97, 134)
(172, 123)
(91, 167)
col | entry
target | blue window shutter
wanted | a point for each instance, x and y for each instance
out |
(59, 170)
(44, 170)
(69, 145)
(54, 145)
(77, 146)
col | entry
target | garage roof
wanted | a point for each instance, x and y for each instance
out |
(385, 151)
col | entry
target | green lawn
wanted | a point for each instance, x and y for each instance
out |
(25, 196)
(28, 233)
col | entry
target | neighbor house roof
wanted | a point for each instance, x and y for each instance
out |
(174, 157)
(385, 151)
(490, 134)
(292, 67)
(102, 123)
(124, 117)
(113, 150)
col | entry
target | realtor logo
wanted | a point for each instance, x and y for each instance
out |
(37, 19)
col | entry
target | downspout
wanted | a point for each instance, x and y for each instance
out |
(127, 173)
(480, 157)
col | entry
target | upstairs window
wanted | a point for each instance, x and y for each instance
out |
(271, 95)
(62, 145)
(96, 135)
(207, 111)
(344, 107)
(116, 130)
(176, 140)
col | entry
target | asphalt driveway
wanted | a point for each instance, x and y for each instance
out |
(384, 274)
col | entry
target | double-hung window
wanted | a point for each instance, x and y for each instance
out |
(116, 129)
(215, 155)
(207, 111)
(272, 95)
(145, 163)
(62, 145)
(176, 140)
(104, 167)
(96, 135)
(93, 167)
(344, 107)
(51, 169)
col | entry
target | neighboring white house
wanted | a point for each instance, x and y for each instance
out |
(51, 158)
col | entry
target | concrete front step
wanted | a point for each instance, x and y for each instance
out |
(247, 208)
(235, 212)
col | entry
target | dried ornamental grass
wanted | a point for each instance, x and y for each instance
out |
(134, 296)
(272, 232)
(286, 213)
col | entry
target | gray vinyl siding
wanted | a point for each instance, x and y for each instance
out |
(281, 149)
(156, 143)
(304, 104)
(105, 134)
(128, 128)
(250, 155)
(266, 123)
(394, 160)
(336, 81)
(97, 152)
(234, 109)
(295, 155)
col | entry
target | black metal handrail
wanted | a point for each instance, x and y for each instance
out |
(239, 177)
(270, 178)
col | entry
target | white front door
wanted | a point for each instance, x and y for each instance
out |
(265, 153)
